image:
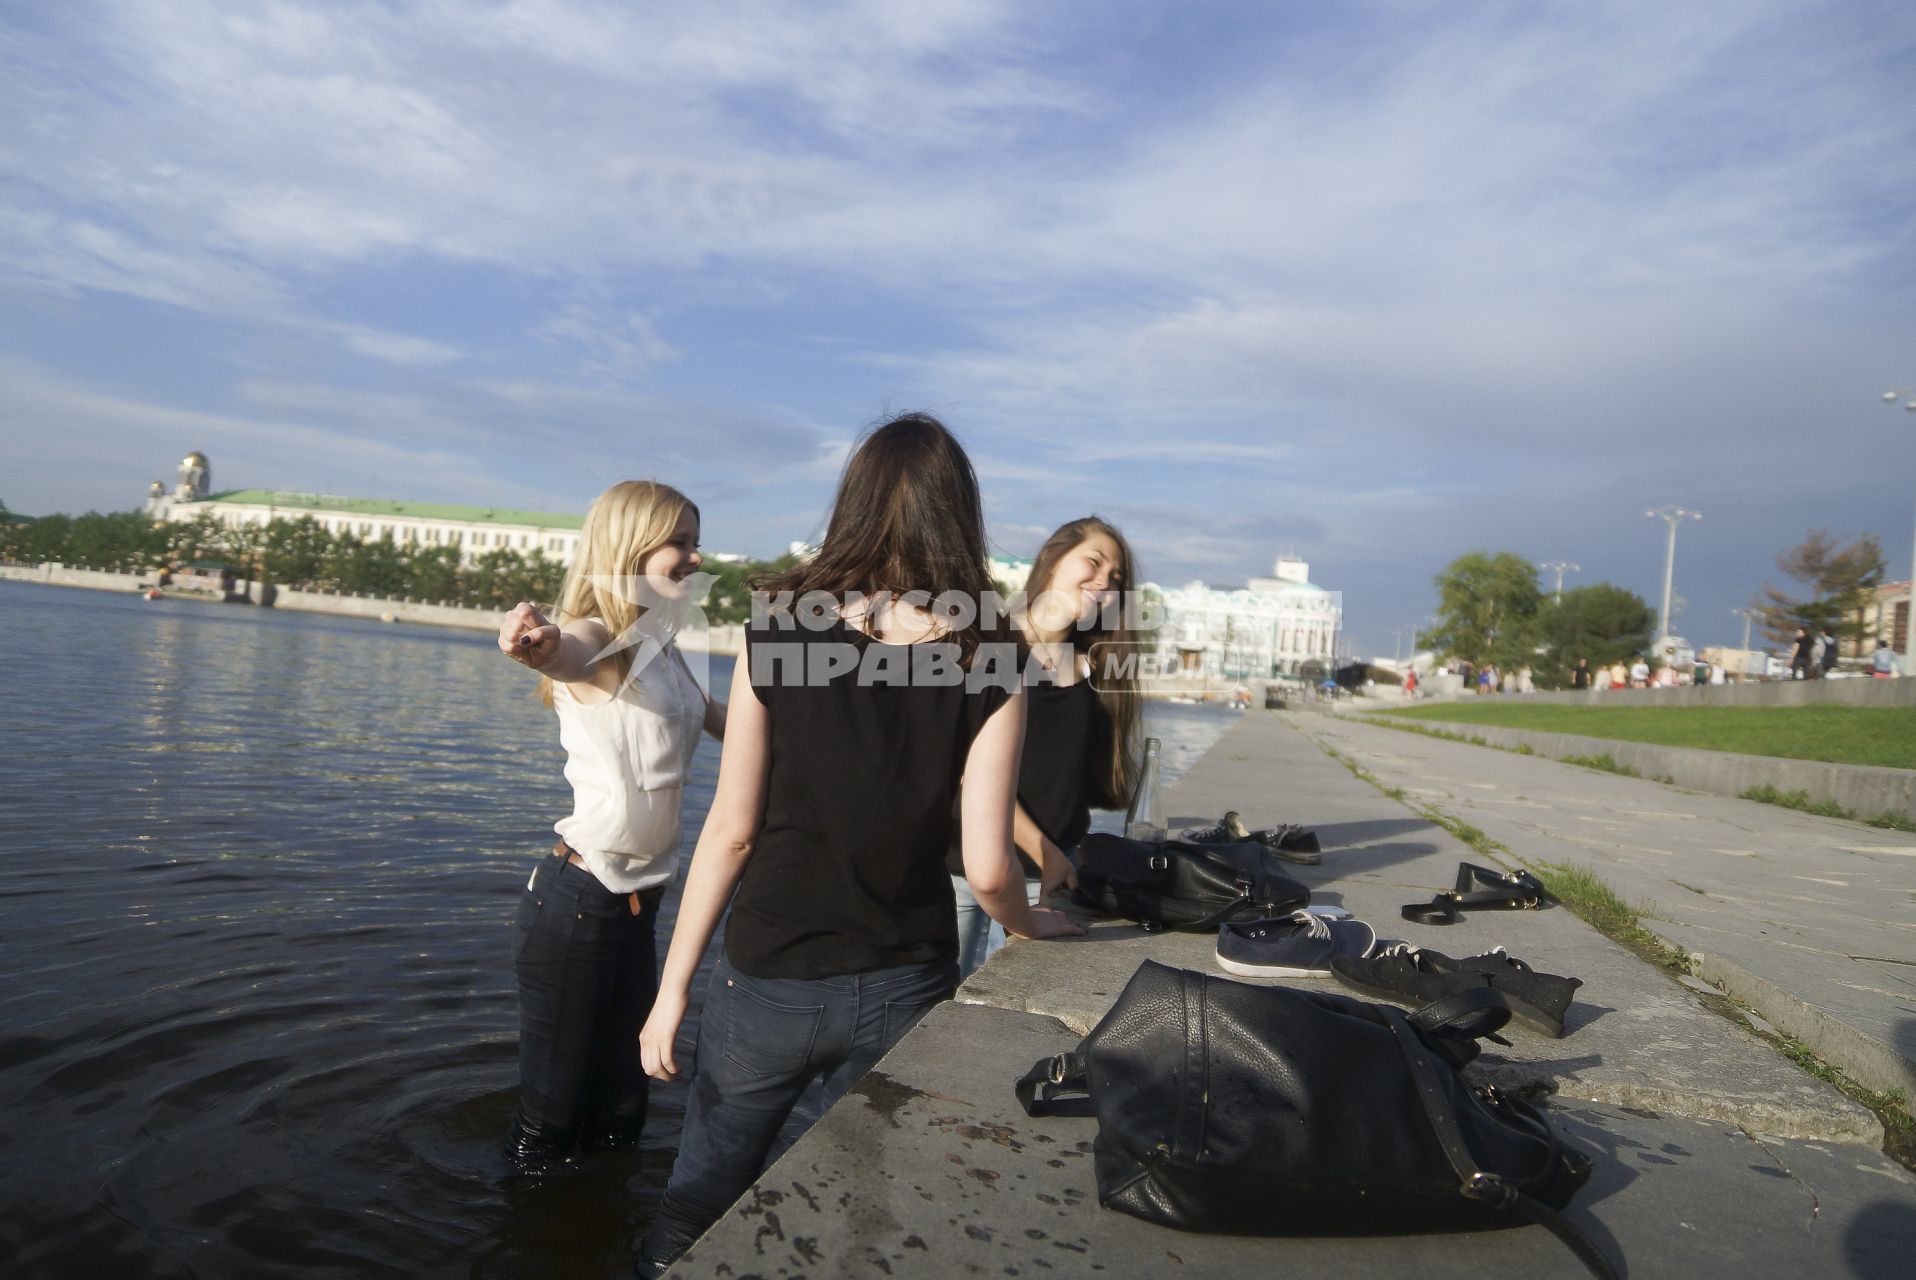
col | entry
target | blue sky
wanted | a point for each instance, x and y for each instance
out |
(1381, 282)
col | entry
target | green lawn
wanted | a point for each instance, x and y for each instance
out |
(1841, 735)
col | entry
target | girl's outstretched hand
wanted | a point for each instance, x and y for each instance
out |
(1046, 923)
(657, 1035)
(527, 638)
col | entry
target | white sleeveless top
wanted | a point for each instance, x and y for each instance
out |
(627, 761)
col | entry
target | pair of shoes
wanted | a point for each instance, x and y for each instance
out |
(1299, 945)
(1414, 975)
(1289, 841)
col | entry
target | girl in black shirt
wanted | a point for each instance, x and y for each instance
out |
(857, 707)
(1082, 715)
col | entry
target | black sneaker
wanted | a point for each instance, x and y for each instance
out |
(1412, 975)
(1538, 1000)
(1220, 832)
(1288, 841)
(1299, 945)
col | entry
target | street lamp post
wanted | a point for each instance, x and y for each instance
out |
(1748, 615)
(1561, 567)
(1908, 396)
(1672, 516)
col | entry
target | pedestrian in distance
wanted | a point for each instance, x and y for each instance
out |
(1580, 676)
(1083, 742)
(1802, 654)
(855, 712)
(583, 944)
(1832, 651)
(1640, 673)
(1883, 664)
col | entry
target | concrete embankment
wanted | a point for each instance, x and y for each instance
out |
(1713, 1153)
(1868, 791)
(718, 640)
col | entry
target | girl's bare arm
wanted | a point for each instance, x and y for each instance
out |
(725, 845)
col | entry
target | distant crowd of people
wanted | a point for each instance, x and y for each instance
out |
(1814, 656)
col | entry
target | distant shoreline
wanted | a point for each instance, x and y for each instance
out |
(724, 640)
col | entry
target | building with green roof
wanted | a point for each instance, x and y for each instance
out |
(474, 530)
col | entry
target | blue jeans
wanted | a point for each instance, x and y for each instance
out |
(762, 1041)
(588, 973)
(978, 934)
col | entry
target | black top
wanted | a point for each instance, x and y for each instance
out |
(1064, 739)
(847, 874)
(1580, 678)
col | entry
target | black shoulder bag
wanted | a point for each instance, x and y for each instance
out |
(1178, 885)
(1253, 1110)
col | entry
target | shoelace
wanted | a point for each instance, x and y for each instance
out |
(1314, 925)
(1207, 835)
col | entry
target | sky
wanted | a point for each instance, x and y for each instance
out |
(1376, 283)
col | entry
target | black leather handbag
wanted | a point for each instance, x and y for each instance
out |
(1179, 885)
(1253, 1110)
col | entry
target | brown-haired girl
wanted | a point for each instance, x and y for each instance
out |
(857, 709)
(1083, 714)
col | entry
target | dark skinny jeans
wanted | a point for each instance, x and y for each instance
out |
(588, 973)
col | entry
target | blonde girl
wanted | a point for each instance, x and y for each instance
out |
(629, 719)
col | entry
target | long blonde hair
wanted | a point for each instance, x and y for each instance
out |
(624, 525)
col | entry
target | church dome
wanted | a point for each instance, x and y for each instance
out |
(194, 459)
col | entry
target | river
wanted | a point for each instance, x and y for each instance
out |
(260, 871)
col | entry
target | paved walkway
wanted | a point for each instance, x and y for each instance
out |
(1714, 1155)
(1810, 920)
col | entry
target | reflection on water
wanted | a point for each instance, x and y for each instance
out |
(259, 879)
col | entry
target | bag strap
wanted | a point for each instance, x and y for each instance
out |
(1056, 1086)
(1476, 1183)
(1520, 890)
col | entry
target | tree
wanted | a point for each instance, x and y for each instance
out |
(296, 551)
(1842, 577)
(1487, 609)
(434, 573)
(1601, 622)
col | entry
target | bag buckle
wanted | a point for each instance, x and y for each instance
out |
(1490, 1189)
(1058, 1066)
(1158, 862)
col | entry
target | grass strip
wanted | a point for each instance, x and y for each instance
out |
(1587, 896)
(1884, 736)
(1605, 763)
(1800, 800)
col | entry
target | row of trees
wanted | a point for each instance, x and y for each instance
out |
(302, 554)
(1492, 609)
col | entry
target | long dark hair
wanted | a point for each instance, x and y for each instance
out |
(1111, 645)
(907, 517)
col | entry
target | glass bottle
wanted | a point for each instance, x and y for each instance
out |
(1145, 820)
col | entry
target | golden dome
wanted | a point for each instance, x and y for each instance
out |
(194, 459)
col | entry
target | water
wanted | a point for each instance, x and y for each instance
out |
(260, 872)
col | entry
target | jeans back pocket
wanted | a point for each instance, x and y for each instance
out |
(764, 1036)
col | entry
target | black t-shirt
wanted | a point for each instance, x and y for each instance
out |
(847, 874)
(1064, 736)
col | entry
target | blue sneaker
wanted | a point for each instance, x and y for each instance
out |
(1299, 945)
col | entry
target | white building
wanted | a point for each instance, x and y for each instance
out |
(474, 530)
(1269, 627)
